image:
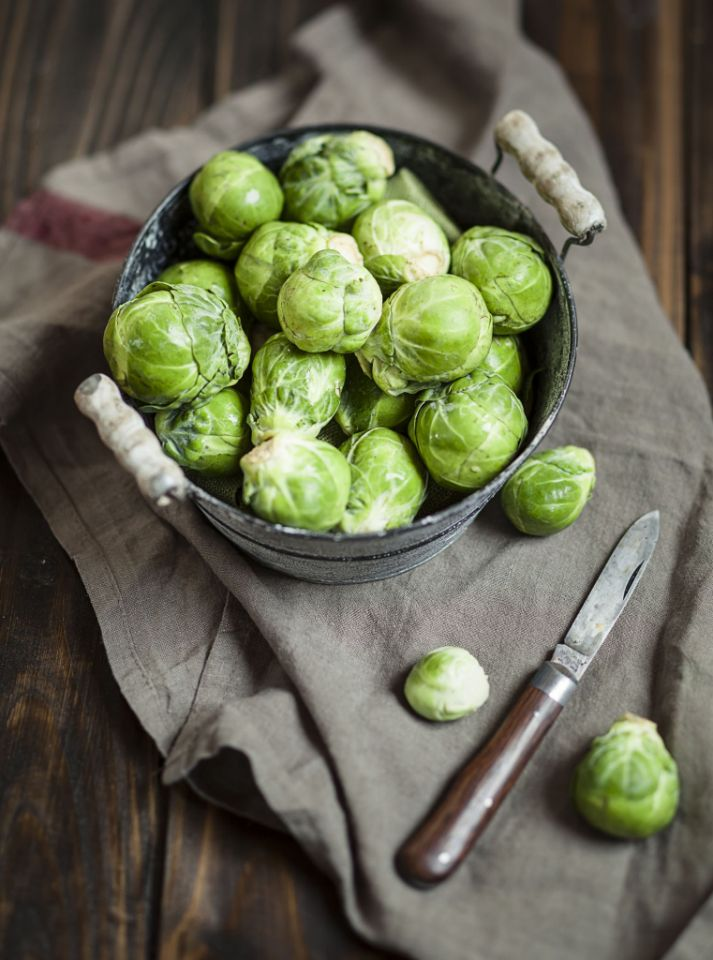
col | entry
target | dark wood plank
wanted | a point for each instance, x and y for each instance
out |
(81, 849)
(624, 59)
(699, 59)
(241, 890)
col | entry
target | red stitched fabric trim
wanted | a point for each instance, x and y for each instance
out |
(68, 225)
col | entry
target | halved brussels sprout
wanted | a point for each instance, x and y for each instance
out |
(231, 195)
(293, 390)
(549, 491)
(430, 331)
(296, 481)
(331, 178)
(507, 358)
(329, 304)
(216, 277)
(400, 243)
(364, 405)
(388, 481)
(175, 344)
(467, 431)
(275, 251)
(446, 684)
(510, 271)
(627, 784)
(208, 438)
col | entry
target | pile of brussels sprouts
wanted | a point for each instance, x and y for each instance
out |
(354, 309)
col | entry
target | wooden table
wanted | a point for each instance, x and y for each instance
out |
(97, 860)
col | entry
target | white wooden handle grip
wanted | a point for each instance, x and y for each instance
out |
(555, 180)
(135, 447)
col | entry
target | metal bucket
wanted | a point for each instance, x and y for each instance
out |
(469, 195)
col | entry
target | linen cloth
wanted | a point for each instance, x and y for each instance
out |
(280, 699)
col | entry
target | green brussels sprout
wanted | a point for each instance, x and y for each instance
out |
(388, 481)
(467, 431)
(627, 784)
(400, 243)
(296, 481)
(231, 195)
(507, 358)
(446, 684)
(208, 438)
(175, 344)
(510, 271)
(430, 331)
(364, 405)
(549, 491)
(329, 304)
(275, 251)
(405, 185)
(293, 390)
(216, 277)
(331, 178)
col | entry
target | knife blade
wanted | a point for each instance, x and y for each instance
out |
(441, 842)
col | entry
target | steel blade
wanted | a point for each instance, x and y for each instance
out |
(608, 597)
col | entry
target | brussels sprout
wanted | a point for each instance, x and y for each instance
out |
(467, 431)
(405, 185)
(549, 491)
(208, 438)
(232, 195)
(297, 481)
(400, 243)
(388, 481)
(293, 390)
(331, 178)
(627, 784)
(364, 406)
(329, 304)
(507, 358)
(175, 344)
(216, 277)
(275, 251)
(430, 331)
(446, 684)
(510, 271)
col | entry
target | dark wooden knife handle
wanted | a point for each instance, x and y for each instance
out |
(439, 845)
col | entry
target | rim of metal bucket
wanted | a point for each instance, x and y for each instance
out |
(472, 501)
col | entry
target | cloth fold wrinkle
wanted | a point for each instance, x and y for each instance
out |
(284, 703)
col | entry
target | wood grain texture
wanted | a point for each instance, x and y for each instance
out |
(440, 844)
(96, 859)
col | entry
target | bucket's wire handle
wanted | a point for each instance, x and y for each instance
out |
(136, 448)
(580, 213)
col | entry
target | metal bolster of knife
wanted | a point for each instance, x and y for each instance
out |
(554, 679)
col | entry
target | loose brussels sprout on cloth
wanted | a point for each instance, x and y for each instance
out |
(627, 784)
(216, 277)
(175, 344)
(331, 178)
(231, 195)
(510, 271)
(329, 304)
(296, 481)
(275, 251)
(293, 390)
(400, 243)
(430, 331)
(208, 438)
(446, 684)
(549, 491)
(364, 405)
(468, 430)
(507, 358)
(388, 481)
